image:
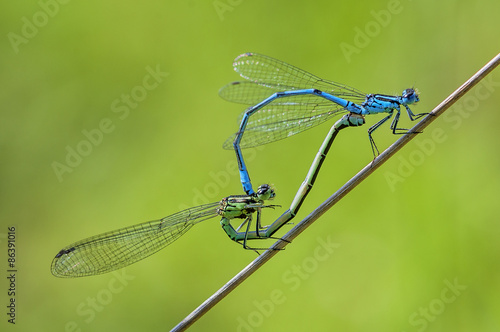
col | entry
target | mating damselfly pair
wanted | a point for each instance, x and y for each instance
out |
(284, 101)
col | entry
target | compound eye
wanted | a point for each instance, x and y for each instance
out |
(265, 190)
(408, 93)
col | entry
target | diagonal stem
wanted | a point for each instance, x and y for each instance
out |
(337, 196)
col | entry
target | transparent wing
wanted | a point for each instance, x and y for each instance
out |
(280, 76)
(116, 249)
(285, 116)
(279, 120)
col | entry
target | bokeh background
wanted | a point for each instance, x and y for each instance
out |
(414, 248)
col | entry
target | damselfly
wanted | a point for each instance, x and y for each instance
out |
(287, 100)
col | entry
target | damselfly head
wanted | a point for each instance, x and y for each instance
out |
(265, 192)
(411, 96)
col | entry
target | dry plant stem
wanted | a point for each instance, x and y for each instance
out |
(332, 200)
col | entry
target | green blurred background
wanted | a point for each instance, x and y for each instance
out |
(415, 247)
